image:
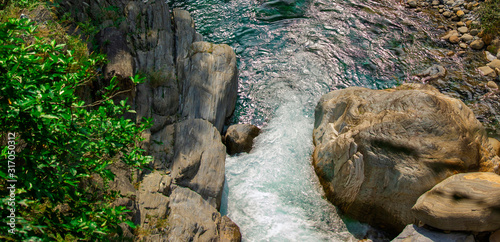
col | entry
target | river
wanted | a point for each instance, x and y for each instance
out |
(290, 52)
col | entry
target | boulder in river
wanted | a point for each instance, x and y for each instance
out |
(463, 202)
(239, 138)
(377, 151)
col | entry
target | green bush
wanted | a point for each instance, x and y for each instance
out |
(489, 14)
(61, 142)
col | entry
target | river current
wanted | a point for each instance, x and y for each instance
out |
(290, 52)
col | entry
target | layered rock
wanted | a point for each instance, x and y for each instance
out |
(463, 202)
(239, 138)
(377, 151)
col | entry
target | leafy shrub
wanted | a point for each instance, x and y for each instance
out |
(61, 141)
(489, 14)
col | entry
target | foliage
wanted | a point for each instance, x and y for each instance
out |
(489, 14)
(61, 142)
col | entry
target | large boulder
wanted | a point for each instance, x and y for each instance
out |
(377, 151)
(412, 233)
(199, 159)
(239, 138)
(210, 84)
(463, 202)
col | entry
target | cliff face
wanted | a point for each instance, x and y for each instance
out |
(189, 92)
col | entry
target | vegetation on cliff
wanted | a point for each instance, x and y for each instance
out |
(63, 146)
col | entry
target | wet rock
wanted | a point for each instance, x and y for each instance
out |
(487, 71)
(413, 233)
(467, 38)
(449, 34)
(447, 14)
(460, 24)
(450, 53)
(474, 32)
(210, 83)
(463, 30)
(435, 2)
(494, 64)
(412, 3)
(449, 3)
(477, 44)
(377, 151)
(433, 73)
(199, 158)
(239, 138)
(229, 232)
(460, 13)
(463, 202)
(463, 45)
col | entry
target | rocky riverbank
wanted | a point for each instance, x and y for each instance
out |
(189, 92)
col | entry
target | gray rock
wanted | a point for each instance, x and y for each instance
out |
(120, 61)
(477, 44)
(162, 147)
(152, 202)
(239, 138)
(433, 73)
(210, 83)
(412, 3)
(191, 218)
(463, 202)
(377, 151)
(199, 159)
(412, 233)
(474, 32)
(447, 14)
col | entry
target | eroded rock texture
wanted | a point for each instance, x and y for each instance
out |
(463, 202)
(377, 151)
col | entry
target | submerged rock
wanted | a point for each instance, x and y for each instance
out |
(463, 202)
(412, 233)
(377, 151)
(239, 138)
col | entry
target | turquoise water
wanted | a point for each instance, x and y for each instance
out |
(290, 53)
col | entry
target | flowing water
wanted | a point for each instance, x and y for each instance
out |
(290, 53)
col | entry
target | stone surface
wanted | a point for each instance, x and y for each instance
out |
(120, 61)
(467, 37)
(492, 85)
(194, 218)
(477, 44)
(199, 159)
(413, 233)
(162, 147)
(239, 138)
(487, 71)
(463, 30)
(449, 34)
(494, 64)
(495, 144)
(433, 73)
(495, 236)
(377, 151)
(460, 13)
(454, 39)
(463, 202)
(229, 231)
(210, 83)
(152, 202)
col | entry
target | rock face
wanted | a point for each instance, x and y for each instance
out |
(377, 151)
(199, 159)
(463, 202)
(239, 138)
(412, 233)
(210, 83)
(187, 80)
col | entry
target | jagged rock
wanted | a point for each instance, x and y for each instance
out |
(412, 233)
(463, 202)
(377, 151)
(239, 138)
(210, 83)
(191, 218)
(229, 231)
(199, 159)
